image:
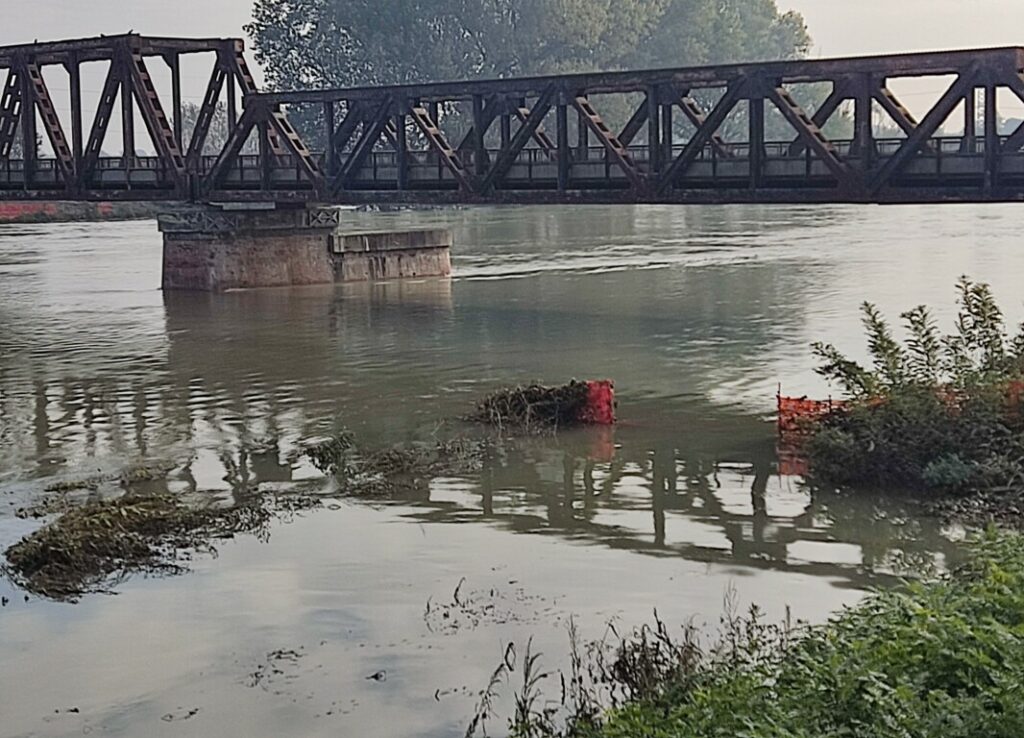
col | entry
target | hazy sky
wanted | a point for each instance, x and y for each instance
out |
(840, 27)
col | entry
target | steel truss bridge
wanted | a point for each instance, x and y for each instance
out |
(530, 140)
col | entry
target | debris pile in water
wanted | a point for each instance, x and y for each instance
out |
(94, 545)
(537, 407)
(397, 470)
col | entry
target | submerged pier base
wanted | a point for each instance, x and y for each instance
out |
(213, 249)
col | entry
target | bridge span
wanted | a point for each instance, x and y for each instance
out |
(700, 134)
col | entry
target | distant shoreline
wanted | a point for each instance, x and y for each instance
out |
(61, 211)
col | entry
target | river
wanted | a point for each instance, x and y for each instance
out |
(697, 313)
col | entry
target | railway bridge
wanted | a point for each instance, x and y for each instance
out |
(801, 131)
(542, 139)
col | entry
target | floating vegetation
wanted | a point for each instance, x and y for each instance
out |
(493, 606)
(397, 470)
(95, 545)
(534, 408)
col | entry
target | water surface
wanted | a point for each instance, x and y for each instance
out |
(698, 314)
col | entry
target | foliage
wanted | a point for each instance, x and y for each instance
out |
(377, 42)
(934, 412)
(977, 354)
(354, 43)
(93, 545)
(938, 659)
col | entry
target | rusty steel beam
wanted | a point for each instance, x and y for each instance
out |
(373, 129)
(40, 96)
(101, 121)
(233, 146)
(702, 136)
(102, 48)
(920, 135)
(635, 124)
(159, 128)
(810, 133)
(693, 112)
(839, 94)
(205, 117)
(449, 157)
(526, 131)
(615, 148)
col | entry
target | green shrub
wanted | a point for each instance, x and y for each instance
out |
(933, 412)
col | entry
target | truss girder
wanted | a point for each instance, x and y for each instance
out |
(664, 164)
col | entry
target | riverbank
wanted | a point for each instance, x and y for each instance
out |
(942, 659)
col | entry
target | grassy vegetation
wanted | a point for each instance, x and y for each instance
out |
(941, 659)
(933, 413)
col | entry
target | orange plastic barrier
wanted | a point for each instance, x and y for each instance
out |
(796, 412)
(600, 408)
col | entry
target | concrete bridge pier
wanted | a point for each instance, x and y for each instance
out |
(214, 248)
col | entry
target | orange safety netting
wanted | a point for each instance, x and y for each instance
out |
(600, 407)
(796, 413)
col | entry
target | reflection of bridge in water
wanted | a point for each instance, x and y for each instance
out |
(516, 140)
(226, 387)
(632, 491)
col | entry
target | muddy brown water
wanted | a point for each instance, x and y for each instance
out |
(696, 313)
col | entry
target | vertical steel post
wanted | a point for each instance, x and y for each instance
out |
(562, 114)
(479, 152)
(29, 142)
(174, 62)
(232, 102)
(75, 82)
(756, 139)
(582, 137)
(667, 134)
(991, 138)
(402, 150)
(969, 144)
(863, 124)
(655, 147)
(506, 127)
(127, 116)
(266, 157)
(330, 154)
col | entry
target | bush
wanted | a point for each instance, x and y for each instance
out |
(934, 412)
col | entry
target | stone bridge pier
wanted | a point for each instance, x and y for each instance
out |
(213, 248)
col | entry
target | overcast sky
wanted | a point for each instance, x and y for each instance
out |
(839, 27)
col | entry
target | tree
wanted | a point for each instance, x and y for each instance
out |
(304, 43)
(353, 43)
